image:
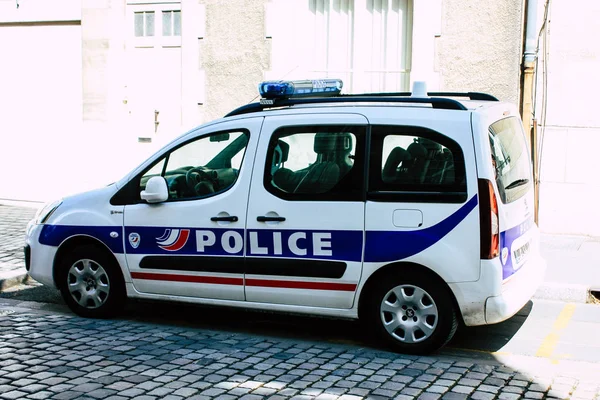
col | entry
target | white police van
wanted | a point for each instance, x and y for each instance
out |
(409, 211)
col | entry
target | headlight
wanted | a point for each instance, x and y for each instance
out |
(45, 212)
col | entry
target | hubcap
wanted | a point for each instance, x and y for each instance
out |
(88, 283)
(409, 313)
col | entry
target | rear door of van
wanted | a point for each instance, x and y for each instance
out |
(511, 166)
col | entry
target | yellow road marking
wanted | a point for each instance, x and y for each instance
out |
(549, 343)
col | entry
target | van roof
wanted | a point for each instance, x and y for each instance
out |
(438, 100)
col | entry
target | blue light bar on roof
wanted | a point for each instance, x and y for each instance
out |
(308, 88)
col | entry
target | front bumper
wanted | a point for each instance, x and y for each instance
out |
(27, 254)
(39, 262)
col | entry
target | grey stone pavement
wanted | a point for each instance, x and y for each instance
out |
(54, 355)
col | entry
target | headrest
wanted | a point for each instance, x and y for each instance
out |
(397, 155)
(324, 142)
(284, 151)
(417, 150)
(447, 154)
(344, 142)
(430, 144)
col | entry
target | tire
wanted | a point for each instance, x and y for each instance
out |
(91, 282)
(412, 314)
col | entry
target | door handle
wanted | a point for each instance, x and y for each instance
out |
(229, 218)
(262, 218)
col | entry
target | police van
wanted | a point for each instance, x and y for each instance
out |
(410, 211)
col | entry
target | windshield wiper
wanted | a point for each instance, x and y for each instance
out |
(518, 182)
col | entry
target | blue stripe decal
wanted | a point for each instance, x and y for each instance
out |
(275, 243)
(381, 246)
(507, 238)
(54, 235)
(386, 246)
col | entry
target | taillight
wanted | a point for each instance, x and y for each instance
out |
(489, 225)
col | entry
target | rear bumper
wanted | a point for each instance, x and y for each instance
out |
(516, 291)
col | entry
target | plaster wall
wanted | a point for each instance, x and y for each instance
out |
(234, 54)
(480, 47)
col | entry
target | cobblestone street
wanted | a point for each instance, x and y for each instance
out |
(13, 221)
(60, 356)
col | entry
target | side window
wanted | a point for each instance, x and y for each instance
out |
(316, 163)
(415, 164)
(201, 167)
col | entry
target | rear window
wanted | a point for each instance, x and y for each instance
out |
(510, 158)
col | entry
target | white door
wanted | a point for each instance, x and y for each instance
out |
(192, 245)
(422, 201)
(518, 234)
(154, 70)
(306, 211)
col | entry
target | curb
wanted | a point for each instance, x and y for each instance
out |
(21, 203)
(13, 278)
(570, 293)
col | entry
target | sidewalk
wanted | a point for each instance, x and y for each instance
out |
(13, 221)
(573, 261)
(573, 267)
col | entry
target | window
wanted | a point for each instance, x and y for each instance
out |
(510, 159)
(202, 167)
(415, 164)
(365, 43)
(171, 23)
(144, 23)
(316, 163)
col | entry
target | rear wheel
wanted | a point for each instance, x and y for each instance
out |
(412, 314)
(91, 283)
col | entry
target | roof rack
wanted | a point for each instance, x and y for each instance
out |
(470, 95)
(437, 100)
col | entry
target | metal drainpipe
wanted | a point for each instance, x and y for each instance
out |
(529, 59)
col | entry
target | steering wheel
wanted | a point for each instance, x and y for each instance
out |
(200, 180)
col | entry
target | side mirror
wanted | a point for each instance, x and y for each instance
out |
(156, 190)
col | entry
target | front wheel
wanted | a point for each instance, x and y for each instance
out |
(91, 283)
(411, 314)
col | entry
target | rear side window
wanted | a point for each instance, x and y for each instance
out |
(414, 164)
(510, 159)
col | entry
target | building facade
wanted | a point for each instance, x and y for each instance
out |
(92, 87)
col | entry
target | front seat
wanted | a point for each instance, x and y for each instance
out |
(324, 174)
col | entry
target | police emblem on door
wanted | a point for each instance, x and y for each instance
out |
(134, 239)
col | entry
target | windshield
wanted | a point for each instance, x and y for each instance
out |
(510, 159)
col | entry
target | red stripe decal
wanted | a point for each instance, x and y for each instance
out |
(345, 287)
(188, 278)
(181, 241)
